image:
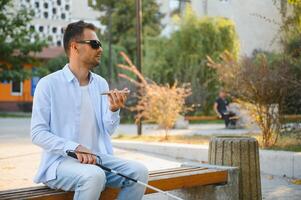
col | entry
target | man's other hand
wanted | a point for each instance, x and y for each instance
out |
(86, 157)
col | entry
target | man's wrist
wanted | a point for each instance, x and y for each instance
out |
(114, 110)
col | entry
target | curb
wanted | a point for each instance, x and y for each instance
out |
(278, 163)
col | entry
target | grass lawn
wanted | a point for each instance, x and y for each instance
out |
(284, 143)
(14, 115)
(287, 143)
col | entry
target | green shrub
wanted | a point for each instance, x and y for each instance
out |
(182, 56)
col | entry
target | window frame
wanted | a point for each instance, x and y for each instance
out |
(16, 93)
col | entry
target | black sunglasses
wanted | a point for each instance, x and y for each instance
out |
(95, 44)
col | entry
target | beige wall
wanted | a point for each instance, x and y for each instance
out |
(253, 32)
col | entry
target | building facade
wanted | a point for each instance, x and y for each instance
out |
(18, 95)
(52, 16)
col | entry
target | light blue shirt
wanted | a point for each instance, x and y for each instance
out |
(55, 122)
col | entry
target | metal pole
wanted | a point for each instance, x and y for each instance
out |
(110, 45)
(138, 46)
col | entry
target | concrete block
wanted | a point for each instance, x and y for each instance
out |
(297, 166)
(181, 123)
(279, 163)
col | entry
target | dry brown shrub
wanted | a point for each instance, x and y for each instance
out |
(161, 104)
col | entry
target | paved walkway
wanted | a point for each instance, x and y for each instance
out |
(20, 127)
(19, 162)
(193, 129)
(279, 188)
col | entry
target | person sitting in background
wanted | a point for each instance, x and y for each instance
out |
(221, 107)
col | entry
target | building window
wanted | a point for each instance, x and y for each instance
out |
(63, 16)
(54, 10)
(41, 29)
(46, 15)
(54, 29)
(58, 43)
(34, 82)
(62, 30)
(59, 2)
(37, 4)
(67, 7)
(16, 88)
(31, 28)
(45, 5)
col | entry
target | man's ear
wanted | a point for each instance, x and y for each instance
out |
(73, 47)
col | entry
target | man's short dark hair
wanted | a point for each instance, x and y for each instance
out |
(74, 31)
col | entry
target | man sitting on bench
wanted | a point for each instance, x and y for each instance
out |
(73, 109)
(221, 107)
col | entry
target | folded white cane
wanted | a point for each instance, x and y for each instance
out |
(72, 154)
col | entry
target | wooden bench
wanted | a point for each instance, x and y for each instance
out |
(201, 118)
(206, 118)
(211, 118)
(168, 179)
(292, 117)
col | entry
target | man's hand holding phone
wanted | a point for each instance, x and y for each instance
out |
(117, 98)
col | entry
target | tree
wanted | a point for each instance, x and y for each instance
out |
(103, 68)
(182, 56)
(260, 85)
(51, 66)
(123, 22)
(15, 42)
(291, 42)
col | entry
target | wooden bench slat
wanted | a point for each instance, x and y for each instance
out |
(176, 170)
(24, 189)
(171, 169)
(30, 192)
(33, 195)
(189, 181)
(60, 196)
(181, 175)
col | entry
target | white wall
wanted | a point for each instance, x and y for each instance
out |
(253, 32)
